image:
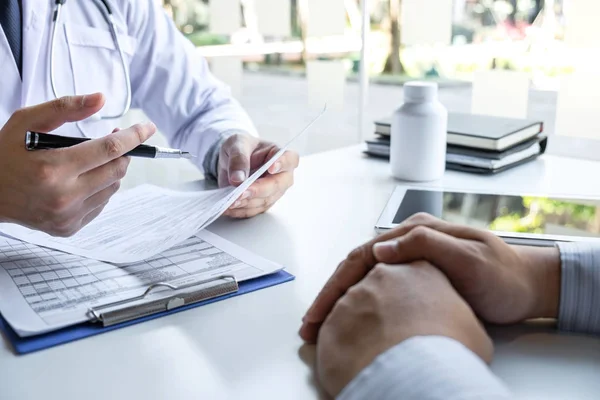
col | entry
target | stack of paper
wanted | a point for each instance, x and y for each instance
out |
(42, 290)
(144, 236)
(143, 222)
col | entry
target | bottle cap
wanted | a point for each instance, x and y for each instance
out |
(417, 92)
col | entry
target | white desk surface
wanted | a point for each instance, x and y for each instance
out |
(247, 347)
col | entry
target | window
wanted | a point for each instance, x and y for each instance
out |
(296, 54)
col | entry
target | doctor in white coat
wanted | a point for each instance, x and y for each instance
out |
(72, 68)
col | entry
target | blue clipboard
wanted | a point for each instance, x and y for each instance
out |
(40, 342)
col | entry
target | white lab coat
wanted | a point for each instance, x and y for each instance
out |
(170, 82)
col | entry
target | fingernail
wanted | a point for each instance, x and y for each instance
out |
(384, 249)
(276, 168)
(237, 204)
(301, 330)
(246, 195)
(308, 332)
(238, 176)
(308, 315)
(89, 100)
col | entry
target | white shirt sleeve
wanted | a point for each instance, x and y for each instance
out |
(580, 288)
(432, 368)
(172, 83)
(426, 368)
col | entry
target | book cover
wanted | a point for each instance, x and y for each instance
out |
(481, 131)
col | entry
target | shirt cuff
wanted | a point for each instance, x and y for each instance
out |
(580, 288)
(426, 368)
(210, 165)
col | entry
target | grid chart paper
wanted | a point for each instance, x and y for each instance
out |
(59, 286)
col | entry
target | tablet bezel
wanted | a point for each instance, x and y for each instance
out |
(385, 221)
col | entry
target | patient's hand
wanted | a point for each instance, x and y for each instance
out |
(390, 305)
(503, 284)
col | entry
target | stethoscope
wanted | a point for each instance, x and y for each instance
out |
(108, 16)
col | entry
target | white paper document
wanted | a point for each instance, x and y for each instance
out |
(136, 224)
(140, 223)
(43, 290)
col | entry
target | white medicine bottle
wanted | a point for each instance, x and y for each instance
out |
(418, 134)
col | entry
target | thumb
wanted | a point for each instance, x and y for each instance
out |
(49, 116)
(451, 255)
(239, 152)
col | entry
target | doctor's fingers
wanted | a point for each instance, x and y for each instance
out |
(89, 217)
(245, 213)
(88, 210)
(48, 116)
(266, 191)
(74, 213)
(101, 198)
(102, 177)
(235, 156)
(288, 161)
(92, 215)
(246, 209)
(253, 208)
(94, 153)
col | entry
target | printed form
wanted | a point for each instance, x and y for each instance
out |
(140, 223)
(43, 290)
(136, 224)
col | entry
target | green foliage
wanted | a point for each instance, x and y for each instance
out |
(577, 212)
(207, 39)
(514, 223)
(539, 210)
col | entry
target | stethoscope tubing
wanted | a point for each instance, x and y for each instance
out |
(107, 13)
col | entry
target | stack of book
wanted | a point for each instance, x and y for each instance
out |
(478, 143)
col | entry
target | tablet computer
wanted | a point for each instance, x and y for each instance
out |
(517, 218)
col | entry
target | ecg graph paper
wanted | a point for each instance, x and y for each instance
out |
(54, 283)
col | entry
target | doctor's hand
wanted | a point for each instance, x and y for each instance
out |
(239, 157)
(393, 303)
(503, 284)
(60, 191)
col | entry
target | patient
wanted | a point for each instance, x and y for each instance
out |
(399, 318)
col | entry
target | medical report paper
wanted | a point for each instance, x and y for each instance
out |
(145, 221)
(42, 290)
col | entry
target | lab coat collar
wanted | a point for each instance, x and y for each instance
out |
(6, 57)
(37, 15)
(10, 82)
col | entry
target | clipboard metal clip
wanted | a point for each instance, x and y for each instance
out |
(112, 313)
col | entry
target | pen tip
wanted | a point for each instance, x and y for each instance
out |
(187, 155)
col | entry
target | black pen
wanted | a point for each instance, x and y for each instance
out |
(42, 141)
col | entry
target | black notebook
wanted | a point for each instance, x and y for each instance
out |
(481, 131)
(381, 146)
(473, 160)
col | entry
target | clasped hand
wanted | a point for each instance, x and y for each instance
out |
(431, 265)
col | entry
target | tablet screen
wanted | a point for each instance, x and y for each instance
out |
(506, 213)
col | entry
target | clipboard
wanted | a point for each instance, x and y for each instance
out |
(121, 314)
